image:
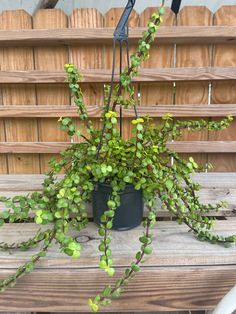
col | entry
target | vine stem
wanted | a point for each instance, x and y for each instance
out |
(34, 260)
(137, 262)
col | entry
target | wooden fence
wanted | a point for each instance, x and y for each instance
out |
(195, 55)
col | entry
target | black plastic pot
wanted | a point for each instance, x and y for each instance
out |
(128, 215)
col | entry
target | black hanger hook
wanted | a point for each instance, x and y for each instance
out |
(175, 7)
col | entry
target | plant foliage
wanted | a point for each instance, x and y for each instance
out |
(144, 160)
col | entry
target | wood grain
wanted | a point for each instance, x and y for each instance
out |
(57, 147)
(181, 274)
(161, 56)
(51, 58)
(215, 188)
(33, 182)
(194, 56)
(3, 158)
(87, 57)
(224, 56)
(19, 59)
(166, 35)
(173, 246)
(103, 76)
(94, 111)
(156, 289)
(207, 195)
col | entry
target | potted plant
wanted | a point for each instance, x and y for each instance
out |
(106, 168)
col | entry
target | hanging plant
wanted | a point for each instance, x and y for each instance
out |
(142, 161)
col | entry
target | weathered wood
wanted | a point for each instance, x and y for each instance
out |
(156, 289)
(181, 274)
(50, 58)
(223, 92)
(45, 4)
(166, 35)
(57, 147)
(173, 246)
(90, 56)
(162, 56)
(209, 193)
(33, 182)
(103, 76)
(218, 110)
(15, 59)
(194, 56)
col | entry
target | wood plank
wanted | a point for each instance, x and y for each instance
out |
(3, 158)
(87, 57)
(207, 195)
(19, 59)
(193, 56)
(156, 289)
(173, 246)
(161, 56)
(224, 92)
(51, 58)
(198, 110)
(57, 147)
(207, 272)
(166, 35)
(212, 180)
(103, 76)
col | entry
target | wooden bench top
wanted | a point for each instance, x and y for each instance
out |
(183, 273)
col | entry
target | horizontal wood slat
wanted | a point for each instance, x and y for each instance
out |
(33, 182)
(154, 289)
(94, 111)
(173, 246)
(57, 147)
(215, 187)
(104, 76)
(189, 274)
(166, 35)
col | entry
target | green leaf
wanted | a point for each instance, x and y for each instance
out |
(169, 184)
(95, 308)
(38, 220)
(107, 291)
(148, 250)
(111, 272)
(5, 214)
(135, 267)
(103, 264)
(139, 127)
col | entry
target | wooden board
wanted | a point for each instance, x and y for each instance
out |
(57, 147)
(173, 246)
(166, 35)
(88, 56)
(161, 56)
(51, 58)
(210, 192)
(181, 274)
(3, 158)
(151, 75)
(19, 59)
(94, 111)
(224, 92)
(193, 56)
